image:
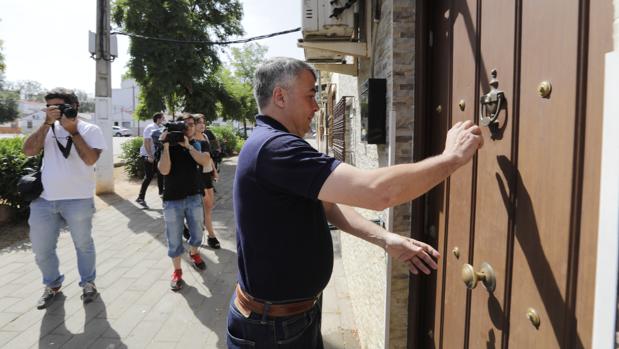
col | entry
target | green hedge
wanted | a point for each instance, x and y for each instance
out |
(239, 145)
(130, 155)
(229, 140)
(13, 165)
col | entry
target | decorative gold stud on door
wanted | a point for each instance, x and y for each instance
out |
(544, 89)
(491, 103)
(533, 317)
(485, 275)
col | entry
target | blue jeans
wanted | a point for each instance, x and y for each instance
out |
(300, 331)
(174, 213)
(46, 219)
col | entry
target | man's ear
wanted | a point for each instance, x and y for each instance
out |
(279, 96)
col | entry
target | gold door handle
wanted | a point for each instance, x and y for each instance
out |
(485, 275)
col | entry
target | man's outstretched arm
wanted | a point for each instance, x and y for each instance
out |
(417, 255)
(385, 187)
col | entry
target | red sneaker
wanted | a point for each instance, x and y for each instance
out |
(177, 280)
(197, 261)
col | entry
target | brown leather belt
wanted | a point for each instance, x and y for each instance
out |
(247, 304)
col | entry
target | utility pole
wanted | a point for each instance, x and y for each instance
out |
(103, 98)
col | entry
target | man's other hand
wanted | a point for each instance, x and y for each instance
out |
(69, 124)
(418, 256)
(463, 140)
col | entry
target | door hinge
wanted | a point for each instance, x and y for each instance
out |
(430, 38)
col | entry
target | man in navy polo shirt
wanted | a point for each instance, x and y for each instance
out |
(284, 193)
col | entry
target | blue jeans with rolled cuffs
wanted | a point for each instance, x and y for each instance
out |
(301, 331)
(46, 219)
(174, 213)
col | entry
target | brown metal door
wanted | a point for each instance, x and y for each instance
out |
(517, 208)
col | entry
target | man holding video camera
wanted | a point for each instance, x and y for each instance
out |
(71, 147)
(182, 198)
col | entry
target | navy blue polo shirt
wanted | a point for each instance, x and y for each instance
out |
(284, 245)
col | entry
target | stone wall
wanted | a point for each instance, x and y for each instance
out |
(379, 289)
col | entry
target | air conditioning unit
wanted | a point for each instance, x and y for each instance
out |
(328, 19)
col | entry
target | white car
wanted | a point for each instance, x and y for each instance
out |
(118, 131)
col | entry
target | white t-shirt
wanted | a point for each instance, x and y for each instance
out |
(69, 178)
(148, 131)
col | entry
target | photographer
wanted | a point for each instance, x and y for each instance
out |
(182, 199)
(147, 154)
(70, 147)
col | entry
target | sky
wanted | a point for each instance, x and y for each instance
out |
(47, 41)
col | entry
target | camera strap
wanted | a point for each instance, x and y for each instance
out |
(64, 150)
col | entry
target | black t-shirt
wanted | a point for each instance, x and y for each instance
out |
(285, 251)
(183, 180)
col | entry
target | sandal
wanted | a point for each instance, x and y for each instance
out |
(213, 242)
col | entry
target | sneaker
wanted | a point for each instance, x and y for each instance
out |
(89, 292)
(177, 280)
(141, 202)
(212, 242)
(198, 263)
(47, 297)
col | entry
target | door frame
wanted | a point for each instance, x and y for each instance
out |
(604, 321)
(421, 296)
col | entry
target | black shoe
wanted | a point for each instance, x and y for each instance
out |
(89, 292)
(47, 297)
(197, 261)
(141, 202)
(186, 234)
(213, 243)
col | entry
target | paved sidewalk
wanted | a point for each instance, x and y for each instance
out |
(136, 308)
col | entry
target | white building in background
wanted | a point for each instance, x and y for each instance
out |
(31, 115)
(124, 102)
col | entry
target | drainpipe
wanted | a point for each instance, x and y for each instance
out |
(605, 307)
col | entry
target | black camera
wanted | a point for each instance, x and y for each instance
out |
(67, 110)
(176, 132)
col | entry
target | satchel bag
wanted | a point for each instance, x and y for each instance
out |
(30, 186)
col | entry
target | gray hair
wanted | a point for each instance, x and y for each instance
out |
(277, 71)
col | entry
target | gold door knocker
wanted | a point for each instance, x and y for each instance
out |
(491, 103)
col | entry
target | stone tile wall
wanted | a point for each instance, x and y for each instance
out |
(379, 290)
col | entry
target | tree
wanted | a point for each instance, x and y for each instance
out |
(241, 104)
(2, 66)
(173, 75)
(29, 90)
(8, 99)
(240, 85)
(87, 104)
(9, 108)
(245, 60)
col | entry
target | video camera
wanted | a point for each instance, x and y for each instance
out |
(176, 132)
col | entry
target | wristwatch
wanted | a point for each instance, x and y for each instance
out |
(75, 134)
